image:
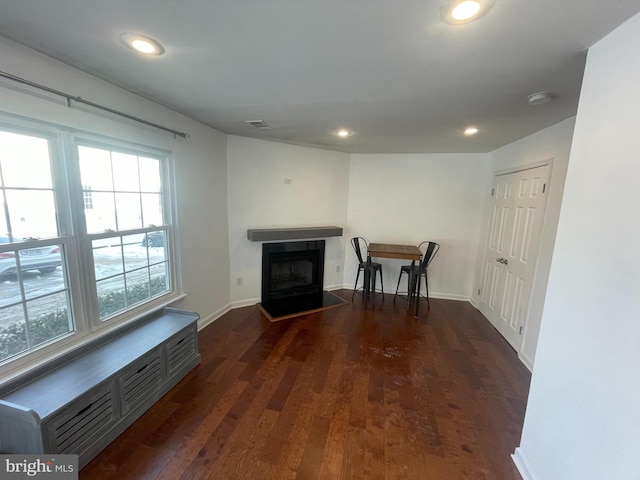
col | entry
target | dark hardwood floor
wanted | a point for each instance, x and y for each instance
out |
(345, 394)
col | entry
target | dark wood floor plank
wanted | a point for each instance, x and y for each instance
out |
(349, 393)
(353, 455)
(121, 450)
(374, 461)
(309, 468)
(194, 443)
(335, 446)
(281, 395)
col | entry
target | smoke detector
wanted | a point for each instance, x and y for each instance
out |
(540, 98)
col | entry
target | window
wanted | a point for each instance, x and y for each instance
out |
(85, 238)
(130, 260)
(87, 197)
(34, 297)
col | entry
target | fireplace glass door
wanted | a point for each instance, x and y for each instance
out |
(290, 269)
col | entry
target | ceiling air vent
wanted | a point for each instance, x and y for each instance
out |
(261, 124)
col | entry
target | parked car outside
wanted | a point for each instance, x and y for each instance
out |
(153, 239)
(44, 259)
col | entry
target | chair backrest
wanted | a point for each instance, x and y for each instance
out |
(357, 243)
(429, 252)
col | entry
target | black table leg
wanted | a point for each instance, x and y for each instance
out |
(367, 284)
(418, 295)
(410, 285)
(372, 274)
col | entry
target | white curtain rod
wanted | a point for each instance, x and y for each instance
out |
(73, 98)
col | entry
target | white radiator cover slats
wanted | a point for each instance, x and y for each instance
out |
(141, 379)
(77, 425)
(181, 349)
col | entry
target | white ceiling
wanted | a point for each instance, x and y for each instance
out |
(389, 70)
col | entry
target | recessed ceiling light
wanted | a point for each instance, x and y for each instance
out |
(540, 98)
(344, 133)
(470, 131)
(456, 12)
(465, 10)
(142, 44)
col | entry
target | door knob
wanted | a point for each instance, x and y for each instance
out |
(502, 260)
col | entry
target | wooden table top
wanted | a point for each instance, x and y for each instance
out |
(387, 250)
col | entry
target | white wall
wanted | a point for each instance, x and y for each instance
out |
(551, 144)
(407, 199)
(200, 166)
(582, 420)
(259, 198)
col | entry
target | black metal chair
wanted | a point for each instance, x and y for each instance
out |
(429, 251)
(358, 243)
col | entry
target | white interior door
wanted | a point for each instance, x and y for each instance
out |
(514, 231)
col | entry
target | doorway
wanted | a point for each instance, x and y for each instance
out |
(518, 205)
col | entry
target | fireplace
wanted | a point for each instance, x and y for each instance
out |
(291, 269)
(292, 279)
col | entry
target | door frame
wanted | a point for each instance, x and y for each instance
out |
(484, 238)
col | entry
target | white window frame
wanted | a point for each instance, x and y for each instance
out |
(86, 238)
(79, 268)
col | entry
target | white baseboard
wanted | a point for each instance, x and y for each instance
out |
(209, 319)
(439, 295)
(526, 361)
(449, 296)
(253, 301)
(245, 303)
(522, 464)
(443, 296)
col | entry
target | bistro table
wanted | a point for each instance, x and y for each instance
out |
(386, 250)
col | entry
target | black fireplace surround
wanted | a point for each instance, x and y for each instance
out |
(292, 269)
(292, 279)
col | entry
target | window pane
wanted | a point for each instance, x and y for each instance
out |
(159, 279)
(135, 254)
(138, 286)
(111, 296)
(95, 168)
(48, 318)
(152, 209)
(138, 259)
(150, 180)
(114, 182)
(27, 187)
(8, 265)
(128, 210)
(125, 172)
(44, 274)
(102, 216)
(32, 213)
(13, 332)
(107, 257)
(9, 291)
(48, 315)
(24, 161)
(155, 242)
(4, 228)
